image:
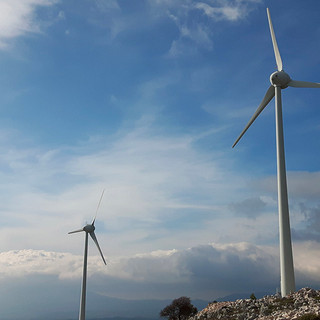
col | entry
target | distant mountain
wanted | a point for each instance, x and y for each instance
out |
(246, 295)
(138, 309)
(101, 307)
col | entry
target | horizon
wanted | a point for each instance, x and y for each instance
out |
(144, 99)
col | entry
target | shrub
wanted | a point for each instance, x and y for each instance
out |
(179, 309)
(253, 297)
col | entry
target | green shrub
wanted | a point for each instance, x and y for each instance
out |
(253, 297)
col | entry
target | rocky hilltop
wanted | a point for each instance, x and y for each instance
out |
(301, 305)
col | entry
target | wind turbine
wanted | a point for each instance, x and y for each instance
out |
(280, 80)
(88, 229)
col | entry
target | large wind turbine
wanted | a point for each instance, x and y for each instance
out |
(280, 80)
(88, 229)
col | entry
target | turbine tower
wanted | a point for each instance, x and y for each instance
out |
(280, 80)
(88, 229)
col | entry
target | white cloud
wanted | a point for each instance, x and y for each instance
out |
(203, 271)
(306, 259)
(221, 13)
(17, 17)
(301, 184)
(158, 189)
(194, 33)
(108, 15)
(152, 182)
(22, 263)
(104, 6)
(249, 207)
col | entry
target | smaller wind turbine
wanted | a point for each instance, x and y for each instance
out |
(88, 229)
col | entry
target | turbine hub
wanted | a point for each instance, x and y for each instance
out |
(280, 79)
(89, 228)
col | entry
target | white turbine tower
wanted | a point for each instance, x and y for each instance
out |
(88, 229)
(280, 80)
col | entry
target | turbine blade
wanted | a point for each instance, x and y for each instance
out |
(274, 43)
(267, 98)
(75, 231)
(303, 84)
(93, 236)
(94, 219)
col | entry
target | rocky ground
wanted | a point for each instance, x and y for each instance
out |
(294, 306)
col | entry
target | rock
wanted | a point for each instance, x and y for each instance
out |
(304, 301)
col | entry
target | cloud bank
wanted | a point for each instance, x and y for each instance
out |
(205, 271)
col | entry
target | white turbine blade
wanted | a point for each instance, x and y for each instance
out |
(75, 231)
(98, 207)
(274, 43)
(267, 98)
(93, 236)
(303, 84)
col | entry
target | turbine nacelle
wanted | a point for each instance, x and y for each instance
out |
(280, 79)
(89, 228)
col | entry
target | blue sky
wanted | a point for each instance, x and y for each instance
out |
(144, 99)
